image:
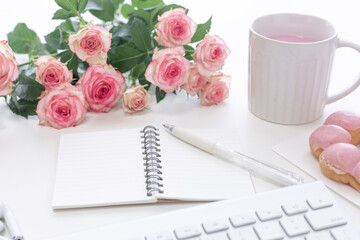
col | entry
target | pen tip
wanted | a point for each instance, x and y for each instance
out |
(168, 127)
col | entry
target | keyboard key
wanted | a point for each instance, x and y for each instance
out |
(319, 236)
(295, 226)
(325, 218)
(242, 219)
(294, 208)
(318, 203)
(289, 222)
(242, 234)
(215, 226)
(160, 236)
(343, 234)
(221, 236)
(187, 232)
(269, 231)
(269, 214)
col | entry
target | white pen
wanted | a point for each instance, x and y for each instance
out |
(255, 167)
(13, 228)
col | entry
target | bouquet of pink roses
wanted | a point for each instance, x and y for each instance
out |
(80, 67)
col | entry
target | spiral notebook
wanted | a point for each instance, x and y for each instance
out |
(137, 166)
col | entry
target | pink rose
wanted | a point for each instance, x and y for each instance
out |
(102, 86)
(61, 107)
(175, 28)
(195, 82)
(91, 44)
(135, 99)
(211, 54)
(8, 69)
(216, 90)
(168, 69)
(51, 72)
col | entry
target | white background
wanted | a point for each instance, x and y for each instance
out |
(28, 153)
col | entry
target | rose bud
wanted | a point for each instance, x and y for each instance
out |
(91, 44)
(216, 90)
(51, 72)
(168, 69)
(62, 106)
(102, 86)
(135, 99)
(195, 82)
(210, 54)
(175, 28)
(8, 69)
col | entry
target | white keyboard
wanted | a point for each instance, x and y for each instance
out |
(305, 211)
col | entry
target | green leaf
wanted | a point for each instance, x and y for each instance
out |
(160, 10)
(146, 3)
(127, 10)
(58, 39)
(21, 106)
(24, 40)
(68, 26)
(54, 39)
(73, 65)
(141, 13)
(107, 12)
(107, 15)
(189, 51)
(29, 70)
(66, 56)
(201, 31)
(121, 31)
(144, 82)
(28, 89)
(117, 3)
(160, 94)
(93, 5)
(121, 34)
(166, 8)
(138, 70)
(13, 103)
(140, 35)
(125, 57)
(70, 5)
(27, 108)
(63, 14)
(70, 8)
(82, 5)
(99, 4)
(72, 61)
(49, 49)
(154, 13)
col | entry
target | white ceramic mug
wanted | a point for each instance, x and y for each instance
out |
(290, 61)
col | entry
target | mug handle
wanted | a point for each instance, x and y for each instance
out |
(347, 91)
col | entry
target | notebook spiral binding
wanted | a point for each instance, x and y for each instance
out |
(152, 161)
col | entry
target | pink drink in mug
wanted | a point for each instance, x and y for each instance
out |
(292, 38)
(290, 60)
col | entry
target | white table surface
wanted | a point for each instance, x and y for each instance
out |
(28, 152)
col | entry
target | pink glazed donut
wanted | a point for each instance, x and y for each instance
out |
(325, 136)
(334, 145)
(348, 120)
(341, 162)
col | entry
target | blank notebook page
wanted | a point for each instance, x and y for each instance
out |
(192, 174)
(100, 168)
(107, 168)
